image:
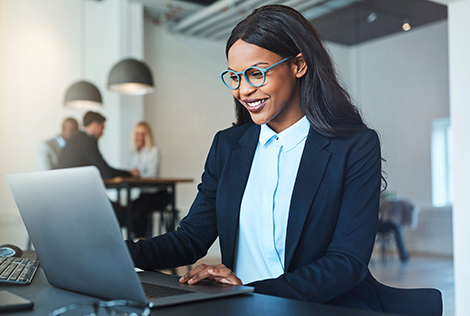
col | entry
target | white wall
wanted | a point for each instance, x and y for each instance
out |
(189, 105)
(39, 58)
(401, 84)
(459, 48)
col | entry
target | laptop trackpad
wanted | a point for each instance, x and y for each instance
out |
(177, 293)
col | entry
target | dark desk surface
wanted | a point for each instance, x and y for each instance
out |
(47, 298)
(138, 181)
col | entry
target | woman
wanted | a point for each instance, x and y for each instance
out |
(292, 190)
(144, 156)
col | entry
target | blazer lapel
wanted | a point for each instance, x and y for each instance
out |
(241, 161)
(309, 176)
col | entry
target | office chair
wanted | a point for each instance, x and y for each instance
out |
(388, 231)
(411, 302)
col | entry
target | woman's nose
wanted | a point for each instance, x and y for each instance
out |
(245, 88)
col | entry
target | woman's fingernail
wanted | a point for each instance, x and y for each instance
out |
(211, 271)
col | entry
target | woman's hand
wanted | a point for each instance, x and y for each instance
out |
(135, 172)
(218, 273)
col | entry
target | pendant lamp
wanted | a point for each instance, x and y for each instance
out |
(82, 95)
(131, 77)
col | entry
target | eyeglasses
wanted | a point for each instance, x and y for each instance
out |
(112, 308)
(255, 76)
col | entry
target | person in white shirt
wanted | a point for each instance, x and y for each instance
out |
(144, 156)
(48, 153)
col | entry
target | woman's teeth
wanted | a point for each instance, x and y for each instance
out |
(256, 103)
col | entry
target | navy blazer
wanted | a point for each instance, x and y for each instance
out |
(332, 217)
(82, 150)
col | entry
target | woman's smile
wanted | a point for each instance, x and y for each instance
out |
(254, 105)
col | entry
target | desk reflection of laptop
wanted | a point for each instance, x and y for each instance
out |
(79, 243)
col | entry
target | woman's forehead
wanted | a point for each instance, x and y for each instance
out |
(243, 54)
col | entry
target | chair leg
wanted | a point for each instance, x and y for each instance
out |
(149, 228)
(400, 241)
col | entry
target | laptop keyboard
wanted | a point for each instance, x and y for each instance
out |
(17, 270)
(155, 291)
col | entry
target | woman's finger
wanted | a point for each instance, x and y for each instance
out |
(224, 275)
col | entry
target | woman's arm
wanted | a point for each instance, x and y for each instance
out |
(196, 233)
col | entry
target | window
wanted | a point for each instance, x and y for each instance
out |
(441, 163)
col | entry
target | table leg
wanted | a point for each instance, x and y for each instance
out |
(118, 199)
(171, 224)
(130, 232)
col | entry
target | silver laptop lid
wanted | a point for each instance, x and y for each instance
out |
(75, 232)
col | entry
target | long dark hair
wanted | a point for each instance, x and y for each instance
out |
(284, 31)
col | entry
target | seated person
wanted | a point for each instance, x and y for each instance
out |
(82, 150)
(144, 156)
(49, 151)
(292, 189)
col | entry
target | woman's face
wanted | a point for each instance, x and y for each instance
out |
(140, 132)
(277, 102)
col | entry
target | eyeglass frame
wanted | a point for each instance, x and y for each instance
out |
(102, 304)
(262, 70)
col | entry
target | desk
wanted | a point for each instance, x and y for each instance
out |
(47, 298)
(128, 183)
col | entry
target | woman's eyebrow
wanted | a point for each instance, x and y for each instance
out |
(254, 65)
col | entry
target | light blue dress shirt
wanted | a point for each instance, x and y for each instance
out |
(61, 141)
(265, 205)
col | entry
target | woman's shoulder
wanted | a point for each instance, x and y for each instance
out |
(235, 133)
(362, 140)
(357, 135)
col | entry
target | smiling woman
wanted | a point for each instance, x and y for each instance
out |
(292, 190)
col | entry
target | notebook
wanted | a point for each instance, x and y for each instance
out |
(79, 243)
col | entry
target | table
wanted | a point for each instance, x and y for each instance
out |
(128, 183)
(47, 298)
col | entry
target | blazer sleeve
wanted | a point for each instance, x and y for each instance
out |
(195, 234)
(345, 263)
(93, 156)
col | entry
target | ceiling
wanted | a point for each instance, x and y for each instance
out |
(370, 19)
(347, 22)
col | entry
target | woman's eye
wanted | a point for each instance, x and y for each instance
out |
(256, 74)
(234, 78)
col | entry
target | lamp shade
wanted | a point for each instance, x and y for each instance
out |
(130, 76)
(82, 95)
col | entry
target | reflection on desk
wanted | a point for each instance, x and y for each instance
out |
(128, 183)
(47, 298)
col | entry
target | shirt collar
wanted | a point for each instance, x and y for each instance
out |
(289, 137)
(61, 141)
(266, 134)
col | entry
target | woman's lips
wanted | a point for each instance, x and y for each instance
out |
(254, 105)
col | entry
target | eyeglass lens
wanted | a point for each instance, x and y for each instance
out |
(254, 76)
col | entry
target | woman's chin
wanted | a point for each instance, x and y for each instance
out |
(259, 120)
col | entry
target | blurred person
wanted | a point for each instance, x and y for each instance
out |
(49, 151)
(144, 156)
(82, 150)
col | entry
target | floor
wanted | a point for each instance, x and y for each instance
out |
(419, 271)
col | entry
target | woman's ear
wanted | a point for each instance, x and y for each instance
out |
(300, 65)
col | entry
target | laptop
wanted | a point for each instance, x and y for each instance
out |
(79, 243)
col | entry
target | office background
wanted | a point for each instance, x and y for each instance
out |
(401, 83)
